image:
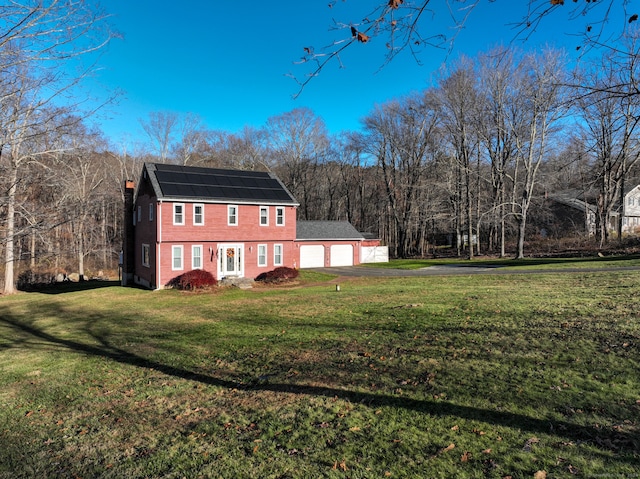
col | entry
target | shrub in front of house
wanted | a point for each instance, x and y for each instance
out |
(278, 275)
(193, 280)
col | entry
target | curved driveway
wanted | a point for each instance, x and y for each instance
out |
(448, 270)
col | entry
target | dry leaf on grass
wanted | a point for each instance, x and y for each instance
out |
(529, 444)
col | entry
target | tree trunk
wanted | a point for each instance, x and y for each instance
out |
(9, 286)
(32, 253)
(522, 226)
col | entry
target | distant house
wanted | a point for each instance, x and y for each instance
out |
(572, 213)
(630, 211)
(233, 223)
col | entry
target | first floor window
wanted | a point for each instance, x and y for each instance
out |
(145, 255)
(196, 257)
(277, 255)
(176, 255)
(262, 255)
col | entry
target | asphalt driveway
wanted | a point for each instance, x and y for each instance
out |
(457, 269)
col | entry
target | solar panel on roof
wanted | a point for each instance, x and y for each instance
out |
(214, 192)
(219, 184)
(169, 190)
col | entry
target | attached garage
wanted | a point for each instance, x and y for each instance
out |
(336, 242)
(312, 256)
(341, 255)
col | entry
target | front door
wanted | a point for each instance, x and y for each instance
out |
(230, 260)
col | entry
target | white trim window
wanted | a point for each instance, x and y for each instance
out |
(277, 255)
(264, 216)
(177, 255)
(279, 215)
(196, 256)
(150, 212)
(198, 214)
(262, 255)
(232, 215)
(146, 255)
(178, 213)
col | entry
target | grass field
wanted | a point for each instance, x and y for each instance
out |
(457, 377)
(510, 264)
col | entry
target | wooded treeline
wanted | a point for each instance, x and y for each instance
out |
(471, 163)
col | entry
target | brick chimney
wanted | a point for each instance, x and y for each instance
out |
(128, 239)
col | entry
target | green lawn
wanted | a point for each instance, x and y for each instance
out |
(507, 264)
(452, 377)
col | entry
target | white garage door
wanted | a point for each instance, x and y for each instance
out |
(341, 255)
(312, 256)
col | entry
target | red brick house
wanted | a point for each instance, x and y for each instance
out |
(232, 223)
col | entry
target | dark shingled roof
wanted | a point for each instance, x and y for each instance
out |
(326, 230)
(217, 185)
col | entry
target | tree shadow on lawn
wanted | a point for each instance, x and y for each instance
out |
(604, 438)
(70, 286)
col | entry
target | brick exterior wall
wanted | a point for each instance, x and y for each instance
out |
(161, 234)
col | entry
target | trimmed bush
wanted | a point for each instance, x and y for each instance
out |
(278, 275)
(193, 280)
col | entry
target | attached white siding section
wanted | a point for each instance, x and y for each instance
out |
(374, 254)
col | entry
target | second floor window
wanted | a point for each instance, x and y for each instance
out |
(198, 214)
(279, 216)
(264, 216)
(178, 214)
(232, 215)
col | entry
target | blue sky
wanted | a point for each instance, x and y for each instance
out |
(228, 61)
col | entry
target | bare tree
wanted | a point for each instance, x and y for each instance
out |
(500, 115)
(413, 26)
(39, 38)
(193, 137)
(541, 98)
(459, 103)
(245, 150)
(297, 142)
(161, 128)
(403, 136)
(611, 113)
(79, 173)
